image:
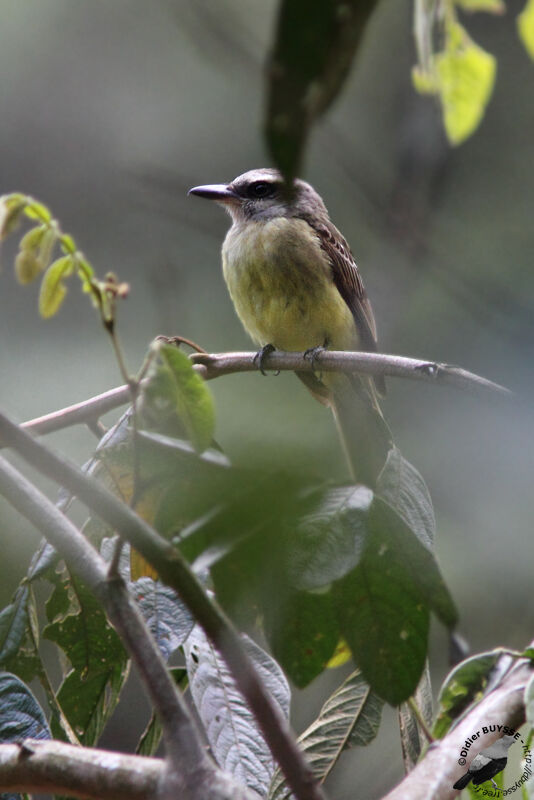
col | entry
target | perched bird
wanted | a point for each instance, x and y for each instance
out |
(295, 286)
(488, 763)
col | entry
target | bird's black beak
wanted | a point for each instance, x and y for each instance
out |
(220, 192)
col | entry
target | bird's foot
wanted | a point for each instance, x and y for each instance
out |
(312, 353)
(494, 784)
(261, 355)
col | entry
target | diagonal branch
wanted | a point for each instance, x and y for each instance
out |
(211, 366)
(174, 570)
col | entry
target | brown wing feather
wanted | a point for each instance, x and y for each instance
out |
(350, 286)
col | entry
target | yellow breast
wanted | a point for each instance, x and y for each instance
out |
(282, 288)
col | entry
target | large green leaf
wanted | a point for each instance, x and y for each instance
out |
(303, 633)
(244, 535)
(350, 716)
(90, 690)
(315, 44)
(328, 542)
(384, 603)
(385, 623)
(400, 545)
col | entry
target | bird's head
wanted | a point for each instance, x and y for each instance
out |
(261, 195)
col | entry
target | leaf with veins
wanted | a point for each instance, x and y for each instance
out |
(235, 739)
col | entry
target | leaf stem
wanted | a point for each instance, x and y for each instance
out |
(420, 720)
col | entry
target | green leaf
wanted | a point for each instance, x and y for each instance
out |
(34, 253)
(403, 488)
(21, 716)
(243, 538)
(385, 623)
(315, 44)
(33, 238)
(398, 543)
(27, 266)
(37, 211)
(176, 395)
(462, 687)
(466, 79)
(13, 624)
(235, 739)
(328, 542)
(11, 209)
(90, 690)
(53, 289)
(303, 633)
(490, 6)
(350, 717)
(383, 605)
(525, 27)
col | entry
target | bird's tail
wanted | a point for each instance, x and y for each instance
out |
(364, 433)
(463, 781)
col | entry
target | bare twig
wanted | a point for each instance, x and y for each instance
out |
(212, 366)
(79, 413)
(437, 772)
(174, 570)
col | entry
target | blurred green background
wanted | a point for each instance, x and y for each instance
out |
(111, 111)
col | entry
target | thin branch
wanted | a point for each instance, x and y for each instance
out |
(218, 364)
(215, 365)
(437, 772)
(58, 768)
(184, 745)
(175, 571)
(79, 413)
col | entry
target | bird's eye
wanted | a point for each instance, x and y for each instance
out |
(260, 189)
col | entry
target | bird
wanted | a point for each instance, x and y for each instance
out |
(295, 286)
(488, 763)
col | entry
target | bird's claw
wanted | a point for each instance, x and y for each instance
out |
(313, 353)
(261, 355)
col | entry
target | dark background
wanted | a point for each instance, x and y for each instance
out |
(111, 111)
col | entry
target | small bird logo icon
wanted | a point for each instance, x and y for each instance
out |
(488, 763)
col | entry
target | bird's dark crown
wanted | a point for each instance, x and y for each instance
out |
(262, 194)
